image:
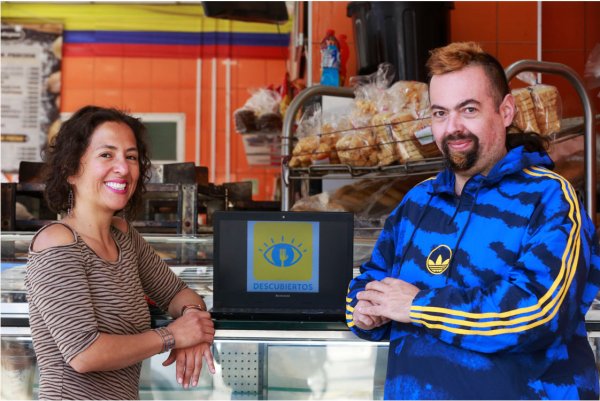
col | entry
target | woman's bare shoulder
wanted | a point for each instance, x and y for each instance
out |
(53, 235)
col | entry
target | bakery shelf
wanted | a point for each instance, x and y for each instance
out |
(570, 129)
(317, 171)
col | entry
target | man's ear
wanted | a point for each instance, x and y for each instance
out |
(507, 109)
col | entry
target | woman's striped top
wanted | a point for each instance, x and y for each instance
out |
(74, 295)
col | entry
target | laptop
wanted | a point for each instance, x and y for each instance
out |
(286, 266)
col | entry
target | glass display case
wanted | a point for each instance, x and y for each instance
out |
(254, 360)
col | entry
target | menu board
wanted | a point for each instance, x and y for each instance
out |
(30, 73)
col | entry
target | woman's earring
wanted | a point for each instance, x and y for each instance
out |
(70, 203)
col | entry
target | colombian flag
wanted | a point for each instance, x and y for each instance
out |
(153, 30)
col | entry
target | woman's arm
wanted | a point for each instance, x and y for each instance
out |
(183, 298)
(112, 351)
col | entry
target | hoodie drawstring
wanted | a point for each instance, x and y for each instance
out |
(396, 271)
(462, 232)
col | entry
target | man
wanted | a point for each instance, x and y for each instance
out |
(482, 276)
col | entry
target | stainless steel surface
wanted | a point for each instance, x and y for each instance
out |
(588, 109)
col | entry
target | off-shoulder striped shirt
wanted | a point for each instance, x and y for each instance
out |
(74, 295)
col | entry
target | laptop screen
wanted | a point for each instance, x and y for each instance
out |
(282, 260)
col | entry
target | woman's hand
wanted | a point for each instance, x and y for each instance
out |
(189, 363)
(194, 333)
(192, 328)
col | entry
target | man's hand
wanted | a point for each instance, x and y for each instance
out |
(389, 298)
(365, 321)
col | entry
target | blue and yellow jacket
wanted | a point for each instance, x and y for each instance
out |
(506, 272)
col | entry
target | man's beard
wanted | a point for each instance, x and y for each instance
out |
(461, 161)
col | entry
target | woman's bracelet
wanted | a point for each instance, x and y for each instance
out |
(167, 338)
(193, 306)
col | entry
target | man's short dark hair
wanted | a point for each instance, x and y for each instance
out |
(459, 55)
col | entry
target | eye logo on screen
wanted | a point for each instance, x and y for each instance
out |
(283, 254)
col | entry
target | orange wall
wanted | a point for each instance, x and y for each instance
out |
(148, 85)
(507, 30)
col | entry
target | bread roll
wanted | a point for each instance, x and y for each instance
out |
(358, 148)
(326, 152)
(386, 142)
(303, 151)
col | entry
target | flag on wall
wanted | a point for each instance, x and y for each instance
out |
(148, 30)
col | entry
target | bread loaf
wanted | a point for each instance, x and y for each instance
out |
(546, 103)
(524, 119)
(422, 137)
(409, 146)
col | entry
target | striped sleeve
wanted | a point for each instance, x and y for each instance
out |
(158, 281)
(376, 268)
(540, 298)
(57, 288)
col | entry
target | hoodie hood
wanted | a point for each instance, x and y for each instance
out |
(514, 161)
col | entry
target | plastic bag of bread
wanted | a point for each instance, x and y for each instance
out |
(415, 140)
(357, 148)
(326, 152)
(245, 120)
(368, 198)
(388, 142)
(302, 153)
(318, 203)
(370, 95)
(260, 112)
(524, 119)
(384, 138)
(307, 133)
(422, 137)
(547, 108)
(269, 122)
(410, 96)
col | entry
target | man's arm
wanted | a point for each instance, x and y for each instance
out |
(372, 328)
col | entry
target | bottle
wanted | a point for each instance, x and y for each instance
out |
(330, 59)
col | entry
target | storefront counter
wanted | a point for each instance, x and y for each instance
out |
(254, 359)
(269, 363)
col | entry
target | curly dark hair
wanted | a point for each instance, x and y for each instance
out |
(63, 155)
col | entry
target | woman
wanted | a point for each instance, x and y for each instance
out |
(87, 275)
